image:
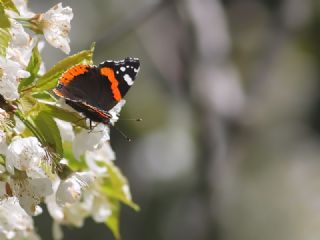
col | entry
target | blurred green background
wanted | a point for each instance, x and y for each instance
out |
(229, 145)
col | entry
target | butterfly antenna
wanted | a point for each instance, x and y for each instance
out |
(122, 133)
(131, 119)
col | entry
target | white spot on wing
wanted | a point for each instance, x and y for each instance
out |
(128, 79)
(136, 70)
(123, 69)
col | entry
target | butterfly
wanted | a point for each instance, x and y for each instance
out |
(95, 90)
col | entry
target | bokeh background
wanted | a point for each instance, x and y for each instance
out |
(229, 93)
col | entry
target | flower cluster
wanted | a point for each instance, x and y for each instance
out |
(47, 153)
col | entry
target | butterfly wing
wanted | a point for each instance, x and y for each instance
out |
(101, 87)
(121, 75)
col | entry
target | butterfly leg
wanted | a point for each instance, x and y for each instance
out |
(80, 119)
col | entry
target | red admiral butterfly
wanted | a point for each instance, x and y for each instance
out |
(94, 90)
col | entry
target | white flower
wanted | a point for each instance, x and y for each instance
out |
(115, 111)
(42, 69)
(54, 209)
(19, 36)
(19, 125)
(24, 154)
(66, 130)
(80, 199)
(92, 204)
(70, 214)
(71, 209)
(21, 5)
(30, 192)
(103, 154)
(10, 73)
(56, 26)
(75, 214)
(14, 222)
(100, 209)
(3, 142)
(21, 45)
(70, 190)
(90, 140)
(30, 185)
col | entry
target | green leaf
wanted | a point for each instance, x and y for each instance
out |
(26, 133)
(2, 157)
(50, 131)
(50, 78)
(29, 125)
(5, 38)
(33, 68)
(113, 220)
(8, 4)
(4, 20)
(44, 96)
(63, 114)
(73, 163)
(115, 184)
(29, 105)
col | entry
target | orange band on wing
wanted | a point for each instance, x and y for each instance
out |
(57, 92)
(109, 73)
(73, 72)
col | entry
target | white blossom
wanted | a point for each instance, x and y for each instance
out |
(66, 130)
(15, 223)
(10, 73)
(30, 192)
(100, 209)
(93, 203)
(54, 209)
(70, 190)
(90, 140)
(56, 26)
(22, 7)
(115, 111)
(30, 185)
(77, 198)
(19, 125)
(75, 214)
(24, 154)
(70, 214)
(102, 154)
(21, 45)
(3, 142)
